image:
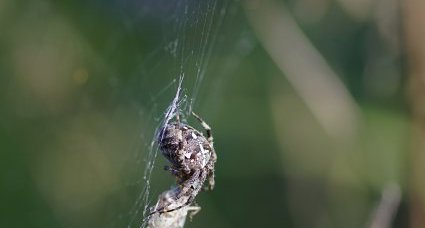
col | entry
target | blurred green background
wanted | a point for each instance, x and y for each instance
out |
(306, 99)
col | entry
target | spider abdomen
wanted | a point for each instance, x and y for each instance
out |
(184, 146)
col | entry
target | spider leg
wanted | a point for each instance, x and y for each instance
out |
(172, 170)
(205, 126)
(193, 210)
(213, 158)
(210, 167)
(178, 116)
(163, 210)
(211, 181)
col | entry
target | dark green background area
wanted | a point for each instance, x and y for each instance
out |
(84, 85)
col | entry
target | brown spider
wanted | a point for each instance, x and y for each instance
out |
(192, 157)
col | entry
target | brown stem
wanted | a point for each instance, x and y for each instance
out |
(414, 29)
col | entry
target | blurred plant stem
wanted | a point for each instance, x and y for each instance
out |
(304, 67)
(385, 211)
(414, 30)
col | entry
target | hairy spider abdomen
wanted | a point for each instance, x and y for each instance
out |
(184, 146)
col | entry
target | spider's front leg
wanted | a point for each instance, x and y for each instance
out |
(213, 159)
(206, 127)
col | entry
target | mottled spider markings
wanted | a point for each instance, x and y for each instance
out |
(192, 157)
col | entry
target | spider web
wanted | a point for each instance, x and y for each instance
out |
(189, 31)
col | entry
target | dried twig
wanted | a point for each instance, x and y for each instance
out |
(414, 37)
(173, 219)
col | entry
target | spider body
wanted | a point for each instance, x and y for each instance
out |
(192, 157)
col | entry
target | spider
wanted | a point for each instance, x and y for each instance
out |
(192, 157)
